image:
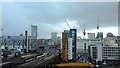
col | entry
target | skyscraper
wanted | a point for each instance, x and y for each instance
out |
(65, 46)
(58, 42)
(73, 35)
(34, 31)
(99, 35)
(54, 37)
(69, 45)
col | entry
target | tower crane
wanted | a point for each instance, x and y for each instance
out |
(84, 33)
(83, 30)
(98, 23)
(68, 24)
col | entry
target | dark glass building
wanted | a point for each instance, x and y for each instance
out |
(73, 35)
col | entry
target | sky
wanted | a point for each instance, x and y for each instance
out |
(51, 17)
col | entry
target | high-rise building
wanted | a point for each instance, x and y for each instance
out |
(73, 35)
(65, 46)
(99, 35)
(26, 41)
(58, 42)
(34, 31)
(69, 45)
(54, 37)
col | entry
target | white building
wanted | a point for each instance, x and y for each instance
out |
(111, 52)
(95, 51)
(109, 40)
(69, 48)
(80, 43)
(107, 49)
(91, 35)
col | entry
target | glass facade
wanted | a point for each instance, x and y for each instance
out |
(73, 35)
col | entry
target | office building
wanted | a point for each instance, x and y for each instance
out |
(69, 45)
(111, 52)
(34, 31)
(54, 38)
(65, 46)
(109, 34)
(91, 35)
(108, 49)
(43, 42)
(99, 35)
(80, 44)
(73, 35)
(92, 51)
(58, 42)
(95, 51)
(17, 42)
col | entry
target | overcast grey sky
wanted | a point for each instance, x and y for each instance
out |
(51, 16)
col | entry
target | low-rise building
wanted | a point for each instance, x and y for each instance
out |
(106, 50)
(17, 42)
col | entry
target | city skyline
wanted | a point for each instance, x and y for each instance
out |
(51, 17)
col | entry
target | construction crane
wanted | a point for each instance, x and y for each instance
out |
(84, 33)
(98, 23)
(98, 27)
(68, 24)
(83, 30)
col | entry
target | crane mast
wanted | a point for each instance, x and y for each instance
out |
(84, 33)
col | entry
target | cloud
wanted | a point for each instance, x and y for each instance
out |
(59, 12)
(51, 16)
